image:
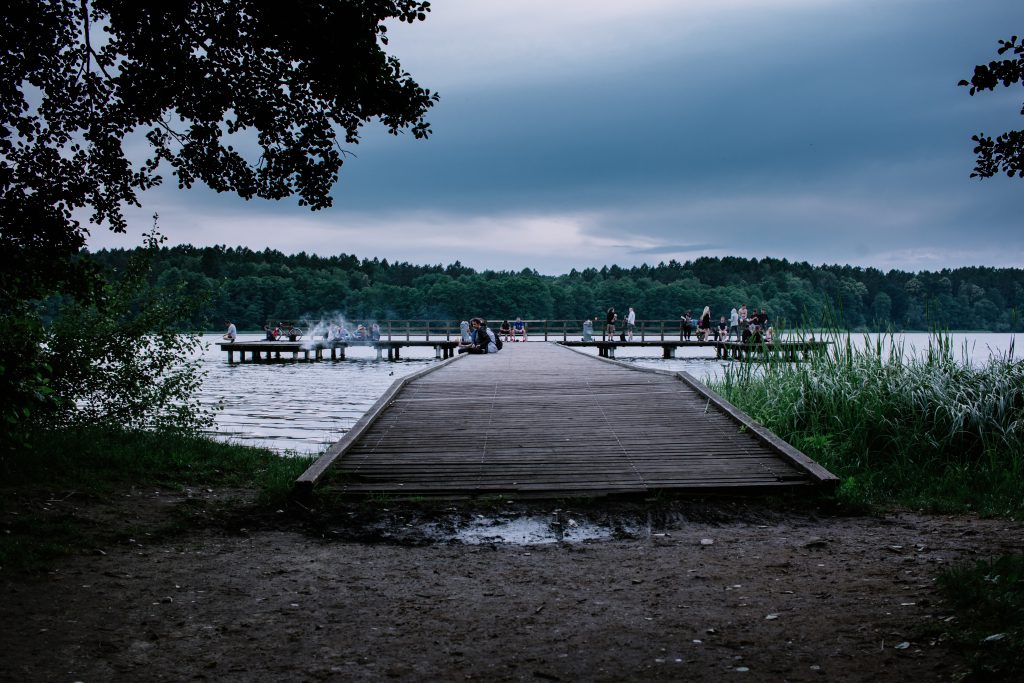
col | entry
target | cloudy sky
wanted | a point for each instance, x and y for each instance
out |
(574, 134)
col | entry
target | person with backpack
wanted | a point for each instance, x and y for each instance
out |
(484, 339)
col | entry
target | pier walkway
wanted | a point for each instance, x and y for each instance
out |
(541, 420)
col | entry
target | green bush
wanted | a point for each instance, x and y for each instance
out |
(923, 430)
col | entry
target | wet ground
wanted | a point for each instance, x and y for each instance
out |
(200, 587)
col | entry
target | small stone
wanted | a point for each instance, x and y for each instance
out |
(707, 541)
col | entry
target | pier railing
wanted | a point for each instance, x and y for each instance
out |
(538, 330)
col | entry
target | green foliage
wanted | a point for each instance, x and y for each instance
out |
(247, 97)
(927, 431)
(119, 359)
(253, 288)
(1006, 153)
(988, 599)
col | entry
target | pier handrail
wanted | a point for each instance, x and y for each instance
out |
(539, 329)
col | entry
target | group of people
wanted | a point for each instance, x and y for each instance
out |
(743, 325)
(477, 337)
(340, 332)
(513, 332)
(611, 318)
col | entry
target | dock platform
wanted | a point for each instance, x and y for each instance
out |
(316, 349)
(787, 350)
(541, 420)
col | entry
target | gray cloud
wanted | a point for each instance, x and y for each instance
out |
(808, 129)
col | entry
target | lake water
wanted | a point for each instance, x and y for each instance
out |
(299, 407)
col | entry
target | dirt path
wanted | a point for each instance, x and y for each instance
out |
(675, 591)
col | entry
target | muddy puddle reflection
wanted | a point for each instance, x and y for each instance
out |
(525, 524)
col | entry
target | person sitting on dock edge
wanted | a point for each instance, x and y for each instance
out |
(518, 330)
(232, 332)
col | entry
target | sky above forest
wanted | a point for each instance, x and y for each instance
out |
(575, 134)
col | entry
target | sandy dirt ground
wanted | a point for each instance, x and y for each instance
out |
(179, 587)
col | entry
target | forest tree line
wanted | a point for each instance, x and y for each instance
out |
(253, 288)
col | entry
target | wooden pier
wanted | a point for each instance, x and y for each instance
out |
(314, 350)
(785, 350)
(541, 420)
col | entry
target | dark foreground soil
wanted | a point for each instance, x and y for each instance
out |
(187, 588)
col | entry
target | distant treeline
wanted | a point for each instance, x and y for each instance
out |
(254, 287)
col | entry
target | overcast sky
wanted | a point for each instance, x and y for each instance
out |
(575, 134)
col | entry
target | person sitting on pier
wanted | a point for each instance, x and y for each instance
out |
(686, 325)
(232, 333)
(505, 330)
(518, 330)
(704, 324)
(722, 331)
(769, 335)
(484, 340)
(360, 334)
(270, 332)
(465, 334)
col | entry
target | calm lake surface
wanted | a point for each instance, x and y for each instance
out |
(302, 408)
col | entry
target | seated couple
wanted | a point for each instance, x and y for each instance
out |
(480, 339)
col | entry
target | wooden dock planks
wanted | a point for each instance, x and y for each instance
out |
(542, 420)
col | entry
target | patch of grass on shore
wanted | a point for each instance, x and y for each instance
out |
(988, 600)
(97, 461)
(922, 431)
(38, 526)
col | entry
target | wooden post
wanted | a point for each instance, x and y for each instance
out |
(565, 333)
(408, 329)
(231, 356)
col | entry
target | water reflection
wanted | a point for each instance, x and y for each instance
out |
(298, 407)
(301, 407)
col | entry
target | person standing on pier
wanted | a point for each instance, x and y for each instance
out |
(630, 323)
(704, 324)
(609, 327)
(734, 324)
(232, 332)
(686, 325)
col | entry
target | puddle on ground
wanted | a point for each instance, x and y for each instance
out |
(530, 531)
(526, 524)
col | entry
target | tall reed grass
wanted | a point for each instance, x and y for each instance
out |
(919, 428)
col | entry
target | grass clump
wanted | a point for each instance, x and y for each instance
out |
(44, 486)
(99, 460)
(987, 597)
(920, 430)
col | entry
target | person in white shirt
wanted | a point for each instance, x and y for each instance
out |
(232, 332)
(630, 323)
